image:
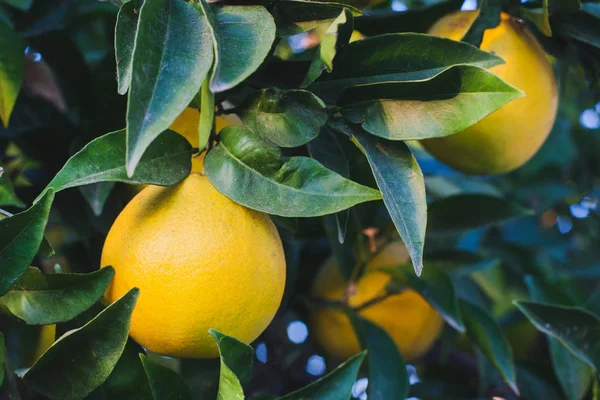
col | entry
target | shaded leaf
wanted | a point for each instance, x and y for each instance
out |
(81, 359)
(575, 328)
(8, 198)
(288, 118)
(443, 105)
(20, 238)
(539, 385)
(336, 385)
(297, 16)
(2, 357)
(22, 5)
(468, 211)
(388, 378)
(540, 17)
(165, 383)
(167, 70)
(488, 17)
(39, 299)
(253, 172)
(125, 29)
(166, 162)
(397, 57)
(401, 183)
(236, 366)
(12, 65)
(483, 332)
(96, 195)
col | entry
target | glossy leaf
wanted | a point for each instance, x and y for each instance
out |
(388, 378)
(468, 211)
(575, 328)
(336, 385)
(166, 162)
(81, 359)
(253, 172)
(297, 16)
(20, 238)
(288, 118)
(12, 65)
(125, 29)
(401, 183)
(443, 105)
(2, 357)
(171, 57)
(236, 366)
(435, 286)
(483, 332)
(488, 18)
(39, 299)
(8, 198)
(165, 384)
(397, 57)
(338, 34)
(207, 115)
(242, 36)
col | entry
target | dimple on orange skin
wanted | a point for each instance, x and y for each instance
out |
(510, 136)
(200, 261)
(409, 320)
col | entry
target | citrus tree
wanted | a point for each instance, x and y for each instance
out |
(295, 199)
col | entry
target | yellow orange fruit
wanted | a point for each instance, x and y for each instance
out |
(409, 320)
(200, 261)
(510, 136)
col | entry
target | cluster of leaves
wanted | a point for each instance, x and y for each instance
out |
(322, 129)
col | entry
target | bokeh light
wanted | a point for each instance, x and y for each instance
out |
(469, 5)
(359, 389)
(564, 224)
(590, 119)
(315, 365)
(297, 332)
(261, 352)
(398, 5)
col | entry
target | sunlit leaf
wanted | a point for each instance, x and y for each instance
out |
(12, 65)
(236, 366)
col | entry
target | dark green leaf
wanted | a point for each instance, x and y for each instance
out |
(171, 57)
(96, 195)
(468, 211)
(8, 198)
(287, 118)
(81, 359)
(207, 115)
(540, 17)
(435, 286)
(125, 29)
(166, 162)
(545, 292)
(483, 331)
(20, 238)
(22, 5)
(388, 378)
(575, 328)
(581, 26)
(236, 366)
(489, 17)
(253, 172)
(397, 57)
(297, 16)
(243, 36)
(165, 383)
(2, 356)
(338, 34)
(539, 384)
(336, 385)
(401, 183)
(443, 105)
(12, 65)
(39, 299)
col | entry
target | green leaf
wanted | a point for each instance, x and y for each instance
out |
(243, 36)
(253, 172)
(236, 366)
(81, 359)
(125, 29)
(336, 385)
(39, 299)
(171, 58)
(20, 238)
(575, 328)
(297, 16)
(573, 375)
(96, 195)
(397, 57)
(2, 357)
(388, 378)
(483, 331)
(540, 384)
(338, 34)
(165, 383)
(166, 162)
(12, 66)
(22, 5)
(468, 211)
(581, 26)
(443, 105)
(435, 286)
(540, 17)
(8, 198)
(401, 182)
(489, 17)
(288, 118)
(207, 115)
